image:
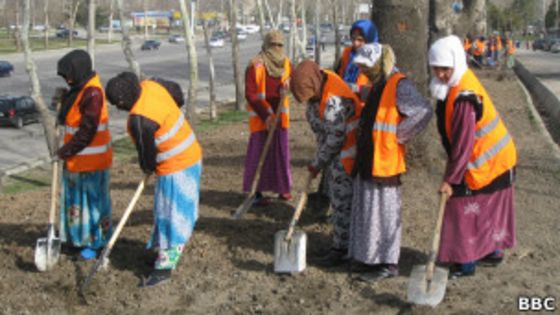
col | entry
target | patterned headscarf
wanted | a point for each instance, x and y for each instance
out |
(306, 82)
(272, 55)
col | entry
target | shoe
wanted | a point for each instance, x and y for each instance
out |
(157, 277)
(334, 258)
(285, 197)
(462, 270)
(380, 272)
(260, 200)
(493, 259)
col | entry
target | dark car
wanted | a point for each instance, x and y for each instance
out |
(150, 44)
(6, 68)
(539, 44)
(17, 111)
(64, 33)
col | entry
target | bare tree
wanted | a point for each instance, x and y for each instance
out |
(335, 7)
(273, 22)
(261, 18)
(235, 55)
(126, 43)
(91, 32)
(145, 5)
(17, 32)
(211, 90)
(111, 13)
(46, 13)
(193, 62)
(317, 32)
(46, 120)
(72, 23)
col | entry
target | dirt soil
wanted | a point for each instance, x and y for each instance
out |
(227, 265)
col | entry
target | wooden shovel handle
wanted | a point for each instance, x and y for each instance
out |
(54, 192)
(264, 152)
(435, 243)
(301, 204)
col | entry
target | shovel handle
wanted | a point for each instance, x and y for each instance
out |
(435, 243)
(301, 204)
(54, 192)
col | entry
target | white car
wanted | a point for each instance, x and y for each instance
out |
(216, 42)
(252, 28)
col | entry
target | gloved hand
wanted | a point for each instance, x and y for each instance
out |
(313, 171)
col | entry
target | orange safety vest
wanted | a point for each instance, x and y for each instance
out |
(98, 155)
(176, 144)
(361, 80)
(499, 42)
(335, 86)
(478, 47)
(256, 124)
(494, 151)
(388, 153)
(510, 47)
(467, 45)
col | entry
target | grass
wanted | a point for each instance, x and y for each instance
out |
(123, 149)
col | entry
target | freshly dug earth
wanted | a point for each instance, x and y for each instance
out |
(227, 265)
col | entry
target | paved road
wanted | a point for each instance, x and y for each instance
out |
(170, 61)
(544, 65)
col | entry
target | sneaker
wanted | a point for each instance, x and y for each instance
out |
(380, 272)
(493, 259)
(285, 197)
(462, 270)
(157, 277)
(335, 257)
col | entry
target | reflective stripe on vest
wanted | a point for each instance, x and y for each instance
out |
(256, 124)
(176, 144)
(98, 155)
(388, 153)
(336, 87)
(493, 151)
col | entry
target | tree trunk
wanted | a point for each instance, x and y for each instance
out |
(17, 31)
(46, 13)
(337, 52)
(318, 31)
(212, 103)
(46, 120)
(111, 14)
(193, 62)
(91, 32)
(126, 43)
(471, 19)
(145, 5)
(273, 22)
(72, 23)
(235, 55)
(293, 30)
(261, 18)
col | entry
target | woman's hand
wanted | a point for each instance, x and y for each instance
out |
(270, 120)
(446, 189)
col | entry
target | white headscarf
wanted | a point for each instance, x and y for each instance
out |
(447, 52)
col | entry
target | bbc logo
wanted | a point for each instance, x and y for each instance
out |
(535, 303)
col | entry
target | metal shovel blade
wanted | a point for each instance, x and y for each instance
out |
(418, 291)
(47, 252)
(290, 256)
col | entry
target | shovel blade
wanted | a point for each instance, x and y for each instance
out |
(289, 256)
(47, 253)
(419, 293)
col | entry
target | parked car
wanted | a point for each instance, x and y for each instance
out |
(216, 42)
(64, 33)
(6, 68)
(241, 36)
(176, 39)
(150, 44)
(538, 44)
(17, 111)
(220, 34)
(555, 48)
(550, 42)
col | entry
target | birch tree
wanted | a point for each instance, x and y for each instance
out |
(211, 90)
(261, 18)
(145, 6)
(17, 31)
(334, 4)
(317, 32)
(111, 14)
(235, 55)
(46, 119)
(126, 43)
(91, 32)
(73, 14)
(46, 13)
(193, 62)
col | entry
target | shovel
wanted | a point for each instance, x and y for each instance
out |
(47, 249)
(427, 282)
(103, 260)
(290, 246)
(246, 205)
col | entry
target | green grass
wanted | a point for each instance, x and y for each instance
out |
(123, 149)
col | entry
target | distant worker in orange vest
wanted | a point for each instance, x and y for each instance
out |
(85, 205)
(509, 52)
(167, 146)
(266, 77)
(394, 113)
(479, 221)
(478, 51)
(333, 112)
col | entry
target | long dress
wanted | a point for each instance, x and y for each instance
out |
(475, 224)
(276, 175)
(375, 227)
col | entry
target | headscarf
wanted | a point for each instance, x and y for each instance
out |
(272, 56)
(447, 52)
(368, 31)
(377, 63)
(75, 67)
(123, 90)
(307, 80)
